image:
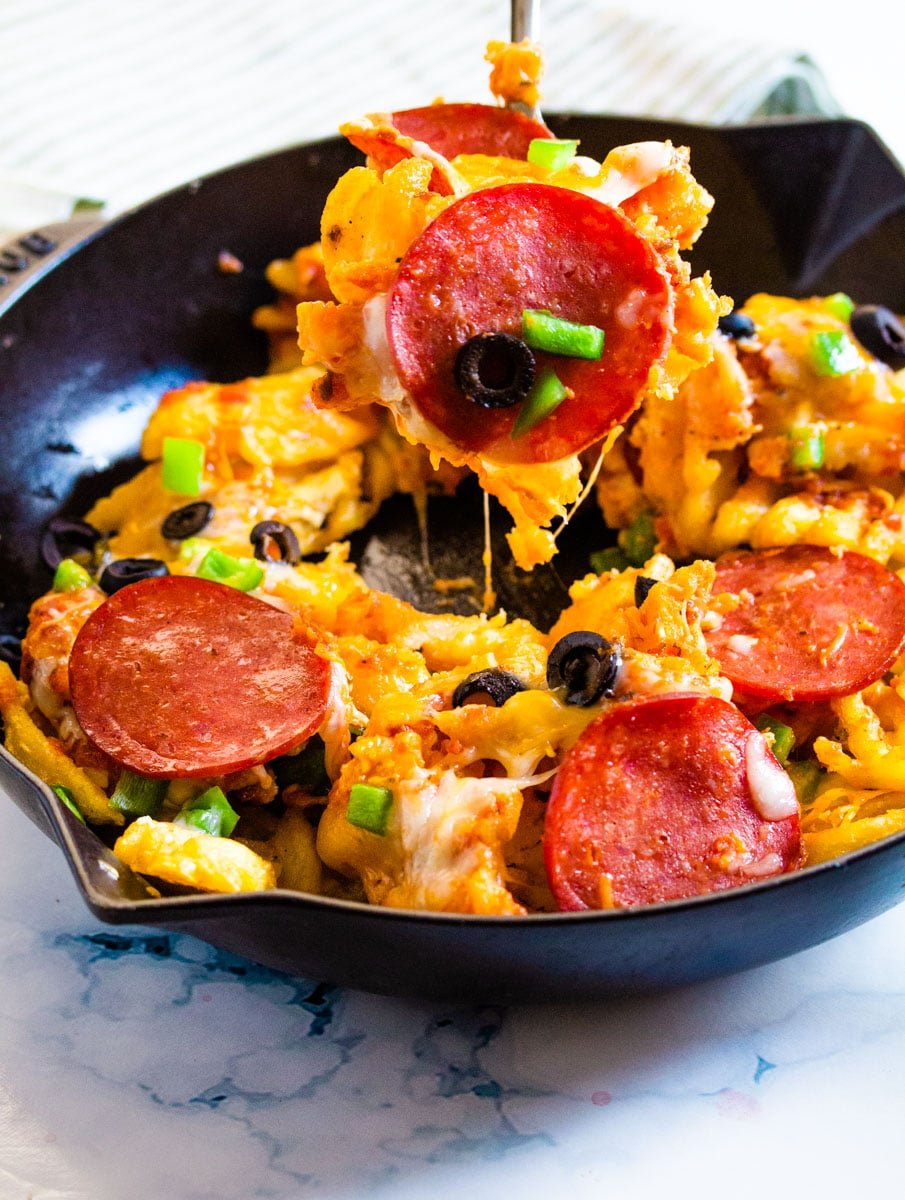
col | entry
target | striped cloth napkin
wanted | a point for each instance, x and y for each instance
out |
(118, 102)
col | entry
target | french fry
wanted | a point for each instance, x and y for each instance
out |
(193, 859)
(294, 854)
(44, 756)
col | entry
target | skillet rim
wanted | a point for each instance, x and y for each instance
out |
(210, 903)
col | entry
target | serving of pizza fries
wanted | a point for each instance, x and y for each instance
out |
(212, 684)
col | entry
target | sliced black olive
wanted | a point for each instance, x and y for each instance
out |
(643, 585)
(495, 685)
(586, 665)
(881, 332)
(495, 370)
(124, 571)
(268, 533)
(737, 325)
(185, 522)
(63, 535)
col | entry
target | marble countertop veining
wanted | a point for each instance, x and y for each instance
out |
(135, 1065)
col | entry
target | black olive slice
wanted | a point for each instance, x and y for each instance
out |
(274, 533)
(881, 332)
(62, 536)
(493, 684)
(124, 571)
(737, 325)
(495, 370)
(586, 665)
(643, 585)
(185, 522)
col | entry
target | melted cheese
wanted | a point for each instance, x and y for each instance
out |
(771, 788)
(438, 815)
(341, 713)
(532, 727)
(627, 170)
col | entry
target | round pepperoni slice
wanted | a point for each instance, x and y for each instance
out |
(446, 130)
(178, 677)
(811, 623)
(663, 798)
(453, 129)
(491, 255)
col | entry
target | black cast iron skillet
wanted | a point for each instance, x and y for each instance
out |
(93, 336)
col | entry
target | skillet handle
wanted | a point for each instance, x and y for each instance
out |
(27, 256)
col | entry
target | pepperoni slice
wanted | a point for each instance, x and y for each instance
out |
(453, 129)
(178, 677)
(501, 250)
(662, 798)
(811, 624)
(385, 145)
(448, 130)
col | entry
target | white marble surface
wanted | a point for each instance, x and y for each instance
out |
(139, 1066)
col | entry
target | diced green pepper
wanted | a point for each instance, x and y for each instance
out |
(240, 573)
(834, 353)
(306, 770)
(806, 777)
(210, 812)
(807, 448)
(610, 559)
(552, 153)
(783, 737)
(369, 807)
(541, 330)
(546, 395)
(66, 797)
(183, 465)
(639, 541)
(191, 546)
(70, 576)
(840, 305)
(138, 796)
